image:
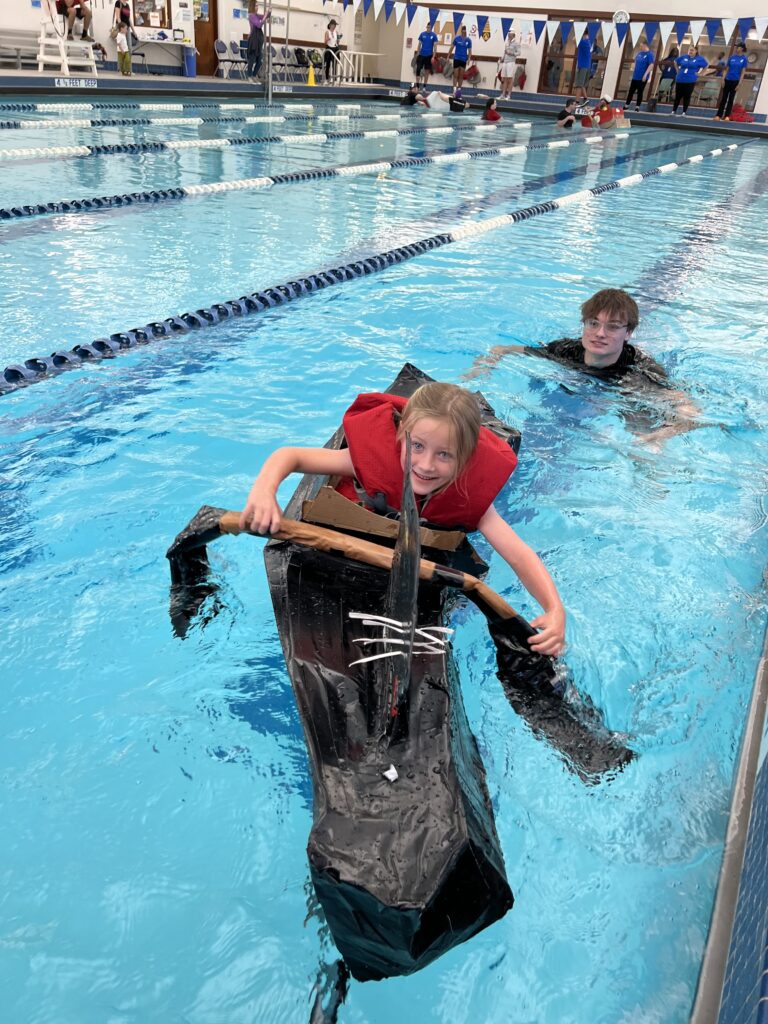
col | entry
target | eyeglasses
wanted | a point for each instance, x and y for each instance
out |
(610, 328)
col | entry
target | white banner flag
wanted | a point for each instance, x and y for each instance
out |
(377, 5)
(399, 12)
(729, 24)
(665, 31)
(697, 27)
(607, 29)
(356, 4)
(636, 29)
(761, 24)
(553, 27)
(578, 30)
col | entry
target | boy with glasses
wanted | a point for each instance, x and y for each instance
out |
(608, 318)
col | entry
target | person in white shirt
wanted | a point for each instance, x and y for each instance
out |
(508, 65)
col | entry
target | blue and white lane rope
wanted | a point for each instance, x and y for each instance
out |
(143, 122)
(38, 368)
(55, 108)
(120, 148)
(292, 177)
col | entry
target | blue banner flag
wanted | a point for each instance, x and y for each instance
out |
(389, 6)
(681, 27)
(593, 27)
(745, 24)
(651, 28)
(458, 17)
(434, 14)
(621, 31)
(506, 25)
(482, 21)
(538, 28)
(565, 30)
(410, 11)
(713, 27)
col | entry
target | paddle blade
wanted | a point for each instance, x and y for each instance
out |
(538, 692)
(191, 582)
(400, 604)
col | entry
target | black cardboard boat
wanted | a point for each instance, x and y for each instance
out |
(403, 851)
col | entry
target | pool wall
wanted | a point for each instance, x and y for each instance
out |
(733, 984)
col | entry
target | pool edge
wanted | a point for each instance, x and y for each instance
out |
(709, 989)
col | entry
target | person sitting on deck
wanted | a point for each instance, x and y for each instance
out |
(609, 319)
(72, 9)
(458, 467)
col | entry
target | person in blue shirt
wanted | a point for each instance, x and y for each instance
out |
(583, 60)
(425, 51)
(641, 73)
(736, 66)
(688, 68)
(460, 49)
(668, 74)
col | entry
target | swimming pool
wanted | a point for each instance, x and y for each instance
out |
(157, 797)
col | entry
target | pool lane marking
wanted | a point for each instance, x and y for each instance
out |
(121, 148)
(54, 108)
(176, 194)
(39, 368)
(140, 122)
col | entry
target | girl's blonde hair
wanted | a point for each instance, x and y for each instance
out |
(457, 407)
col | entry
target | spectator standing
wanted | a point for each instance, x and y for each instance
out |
(688, 68)
(121, 15)
(583, 60)
(425, 51)
(461, 47)
(668, 74)
(255, 50)
(641, 74)
(508, 64)
(491, 113)
(123, 50)
(737, 64)
(332, 40)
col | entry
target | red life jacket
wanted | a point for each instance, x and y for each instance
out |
(371, 432)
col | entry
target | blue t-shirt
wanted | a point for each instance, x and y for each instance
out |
(688, 68)
(584, 54)
(643, 61)
(461, 47)
(735, 65)
(427, 42)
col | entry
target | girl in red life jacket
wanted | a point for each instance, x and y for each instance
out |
(490, 113)
(457, 466)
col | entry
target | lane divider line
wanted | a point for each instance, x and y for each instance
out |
(120, 148)
(39, 368)
(291, 177)
(139, 122)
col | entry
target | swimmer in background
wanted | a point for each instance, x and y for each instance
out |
(457, 465)
(609, 319)
(567, 115)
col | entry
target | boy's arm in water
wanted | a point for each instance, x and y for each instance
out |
(483, 365)
(685, 417)
(262, 514)
(534, 577)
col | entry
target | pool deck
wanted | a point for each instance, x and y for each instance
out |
(174, 85)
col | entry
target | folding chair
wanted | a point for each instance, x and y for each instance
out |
(236, 58)
(223, 58)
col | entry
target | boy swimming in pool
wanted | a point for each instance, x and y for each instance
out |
(457, 469)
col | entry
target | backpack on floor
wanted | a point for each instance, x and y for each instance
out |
(739, 113)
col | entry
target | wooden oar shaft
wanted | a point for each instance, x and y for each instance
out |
(322, 539)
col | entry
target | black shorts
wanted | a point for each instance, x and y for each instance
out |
(459, 64)
(423, 64)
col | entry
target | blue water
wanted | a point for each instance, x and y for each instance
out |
(157, 800)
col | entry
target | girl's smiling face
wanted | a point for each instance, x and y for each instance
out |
(433, 456)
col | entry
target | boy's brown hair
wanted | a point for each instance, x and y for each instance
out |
(615, 303)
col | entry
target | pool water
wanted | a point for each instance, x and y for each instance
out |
(157, 799)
